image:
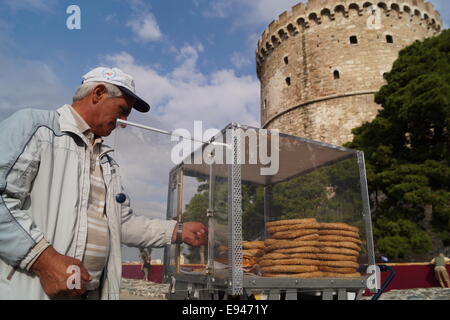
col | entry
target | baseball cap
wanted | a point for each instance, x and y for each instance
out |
(119, 78)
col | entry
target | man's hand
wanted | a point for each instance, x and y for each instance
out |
(52, 270)
(194, 234)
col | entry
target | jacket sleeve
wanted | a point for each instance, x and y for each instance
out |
(140, 231)
(19, 163)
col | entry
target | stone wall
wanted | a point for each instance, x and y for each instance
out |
(320, 64)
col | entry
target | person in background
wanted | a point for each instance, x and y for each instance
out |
(146, 258)
(440, 271)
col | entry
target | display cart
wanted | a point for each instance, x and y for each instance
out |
(245, 177)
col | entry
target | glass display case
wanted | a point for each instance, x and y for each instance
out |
(286, 216)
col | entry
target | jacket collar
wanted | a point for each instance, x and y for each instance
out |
(68, 123)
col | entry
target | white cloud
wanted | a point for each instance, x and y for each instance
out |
(239, 60)
(184, 95)
(145, 27)
(143, 22)
(219, 9)
(111, 18)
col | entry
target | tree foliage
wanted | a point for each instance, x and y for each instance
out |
(407, 150)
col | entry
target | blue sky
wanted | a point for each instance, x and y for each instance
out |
(191, 59)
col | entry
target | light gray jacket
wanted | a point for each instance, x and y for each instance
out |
(44, 190)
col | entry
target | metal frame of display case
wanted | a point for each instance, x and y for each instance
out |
(205, 286)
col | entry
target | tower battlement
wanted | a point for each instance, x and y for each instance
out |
(316, 12)
(321, 63)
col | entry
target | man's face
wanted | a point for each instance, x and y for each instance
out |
(107, 111)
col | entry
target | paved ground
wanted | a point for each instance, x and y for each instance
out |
(417, 294)
(144, 290)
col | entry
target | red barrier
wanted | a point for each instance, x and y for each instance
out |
(407, 276)
(133, 271)
(156, 274)
(412, 276)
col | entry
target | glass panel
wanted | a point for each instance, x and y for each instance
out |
(308, 179)
(330, 194)
(195, 205)
(144, 159)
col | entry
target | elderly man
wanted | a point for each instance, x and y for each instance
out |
(63, 213)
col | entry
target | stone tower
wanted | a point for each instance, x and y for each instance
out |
(320, 64)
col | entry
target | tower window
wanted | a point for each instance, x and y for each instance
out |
(288, 81)
(336, 75)
(286, 60)
(389, 39)
(353, 40)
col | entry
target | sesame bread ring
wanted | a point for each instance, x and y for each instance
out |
(335, 257)
(289, 222)
(304, 275)
(285, 244)
(270, 242)
(337, 269)
(253, 252)
(280, 256)
(308, 237)
(305, 249)
(338, 226)
(348, 245)
(291, 227)
(253, 245)
(340, 275)
(340, 239)
(289, 269)
(335, 250)
(339, 264)
(278, 262)
(274, 255)
(343, 233)
(293, 234)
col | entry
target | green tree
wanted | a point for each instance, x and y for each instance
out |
(407, 151)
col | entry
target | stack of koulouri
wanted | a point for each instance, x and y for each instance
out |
(292, 249)
(252, 251)
(339, 246)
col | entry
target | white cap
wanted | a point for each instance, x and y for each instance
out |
(119, 78)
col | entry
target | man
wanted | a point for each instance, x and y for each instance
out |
(146, 258)
(440, 271)
(63, 213)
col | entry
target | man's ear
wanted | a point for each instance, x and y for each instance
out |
(98, 93)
